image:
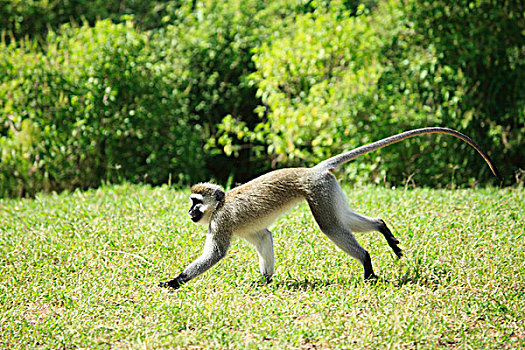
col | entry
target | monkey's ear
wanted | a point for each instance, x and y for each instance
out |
(219, 195)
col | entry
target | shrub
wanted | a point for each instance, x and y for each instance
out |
(480, 48)
(336, 79)
(102, 106)
(34, 18)
(231, 89)
(320, 85)
(213, 44)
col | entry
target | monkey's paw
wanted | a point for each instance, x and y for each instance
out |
(264, 280)
(174, 283)
(372, 278)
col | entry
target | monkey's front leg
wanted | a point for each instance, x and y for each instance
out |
(263, 242)
(214, 250)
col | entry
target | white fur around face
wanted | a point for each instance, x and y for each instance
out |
(206, 207)
(205, 220)
(197, 197)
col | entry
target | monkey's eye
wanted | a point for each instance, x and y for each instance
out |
(195, 201)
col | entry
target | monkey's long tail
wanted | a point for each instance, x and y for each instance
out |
(336, 161)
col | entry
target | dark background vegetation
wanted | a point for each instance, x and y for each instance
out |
(180, 92)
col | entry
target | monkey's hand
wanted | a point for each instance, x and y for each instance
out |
(175, 283)
(264, 280)
(215, 249)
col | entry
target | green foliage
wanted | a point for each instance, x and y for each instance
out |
(81, 270)
(101, 106)
(303, 76)
(230, 89)
(335, 81)
(34, 18)
(478, 71)
(322, 91)
(213, 48)
(214, 44)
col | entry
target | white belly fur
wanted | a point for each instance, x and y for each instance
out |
(265, 221)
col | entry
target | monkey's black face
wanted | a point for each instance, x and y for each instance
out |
(195, 214)
(197, 209)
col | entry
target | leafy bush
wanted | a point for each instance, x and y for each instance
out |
(231, 89)
(122, 104)
(213, 44)
(309, 81)
(334, 81)
(100, 105)
(321, 91)
(34, 18)
(480, 48)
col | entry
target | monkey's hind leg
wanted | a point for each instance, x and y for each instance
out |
(326, 209)
(391, 240)
(263, 242)
(345, 240)
(361, 223)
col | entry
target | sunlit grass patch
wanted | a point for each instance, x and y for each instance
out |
(81, 270)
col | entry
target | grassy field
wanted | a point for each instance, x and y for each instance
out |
(81, 270)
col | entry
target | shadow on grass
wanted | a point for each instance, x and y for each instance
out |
(430, 276)
(306, 284)
(293, 283)
(415, 273)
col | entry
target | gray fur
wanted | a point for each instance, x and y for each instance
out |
(337, 161)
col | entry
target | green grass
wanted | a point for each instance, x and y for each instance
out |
(81, 270)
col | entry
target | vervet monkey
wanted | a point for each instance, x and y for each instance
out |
(247, 211)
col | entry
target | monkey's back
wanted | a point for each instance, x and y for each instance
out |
(261, 201)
